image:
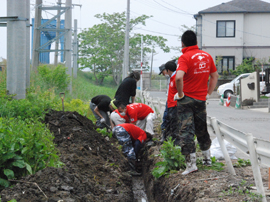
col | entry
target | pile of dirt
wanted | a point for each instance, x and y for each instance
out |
(201, 186)
(95, 169)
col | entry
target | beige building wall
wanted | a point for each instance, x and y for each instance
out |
(252, 36)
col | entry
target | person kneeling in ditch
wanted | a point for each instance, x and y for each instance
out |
(132, 138)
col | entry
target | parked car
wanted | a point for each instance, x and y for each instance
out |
(227, 88)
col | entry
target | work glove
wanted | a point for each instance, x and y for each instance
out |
(207, 97)
(176, 97)
(102, 120)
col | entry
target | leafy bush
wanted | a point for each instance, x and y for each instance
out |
(34, 106)
(172, 159)
(25, 147)
(245, 67)
(53, 77)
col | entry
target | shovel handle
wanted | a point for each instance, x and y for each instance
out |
(62, 96)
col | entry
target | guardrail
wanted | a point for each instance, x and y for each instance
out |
(257, 149)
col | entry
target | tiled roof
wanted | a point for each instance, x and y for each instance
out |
(240, 6)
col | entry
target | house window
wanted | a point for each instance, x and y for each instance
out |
(226, 28)
(225, 63)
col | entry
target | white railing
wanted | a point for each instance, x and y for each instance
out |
(257, 149)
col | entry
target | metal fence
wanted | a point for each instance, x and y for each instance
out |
(257, 149)
(159, 85)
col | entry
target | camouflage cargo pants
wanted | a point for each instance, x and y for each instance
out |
(192, 121)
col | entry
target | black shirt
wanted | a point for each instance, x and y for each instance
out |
(102, 102)
(126, 89)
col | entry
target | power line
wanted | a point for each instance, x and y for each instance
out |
(184, 13)
(157, 21)
(159, 32)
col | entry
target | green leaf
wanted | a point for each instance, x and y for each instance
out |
(13, 200)
(19, 163)
(24, 150)
(4, 183)
(28, 168)
(9, 173)
(7, 156)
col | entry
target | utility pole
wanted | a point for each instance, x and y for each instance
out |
(36, 40)
(57, 34)
(75, 51)
(27, 51)
(18, 51)
(141, 62)
(126, 51)
(68, 22)
(151, 66)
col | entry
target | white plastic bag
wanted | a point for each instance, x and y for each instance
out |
(216, 150)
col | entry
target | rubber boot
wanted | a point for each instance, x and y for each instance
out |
(190, 164)
(206, 158)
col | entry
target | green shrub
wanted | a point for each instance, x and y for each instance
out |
(172, 159)
(53, 77)
(34, 106)
(25, 147)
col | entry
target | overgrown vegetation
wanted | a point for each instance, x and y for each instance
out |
(173, 160)
(26, 147)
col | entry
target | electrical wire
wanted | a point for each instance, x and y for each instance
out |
(156, 21)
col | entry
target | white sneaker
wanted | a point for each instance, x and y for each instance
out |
(190, 164)
(206, 158)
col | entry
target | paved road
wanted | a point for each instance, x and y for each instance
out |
(249, 121)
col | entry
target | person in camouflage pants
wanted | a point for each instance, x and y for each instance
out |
(196, 78)
(192, 114)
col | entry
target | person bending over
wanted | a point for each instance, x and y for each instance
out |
(132, 138)
(127, 89)
(100, 106)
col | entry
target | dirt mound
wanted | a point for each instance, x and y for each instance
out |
(95, 170)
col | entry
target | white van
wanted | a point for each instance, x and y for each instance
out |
(228, 87)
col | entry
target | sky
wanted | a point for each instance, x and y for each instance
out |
(168, 16)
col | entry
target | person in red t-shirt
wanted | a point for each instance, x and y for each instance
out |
(139, 114)
(132, 138)
(117, 118)
(172, 128)
(193, 71)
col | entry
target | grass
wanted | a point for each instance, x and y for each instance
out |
(84, 87)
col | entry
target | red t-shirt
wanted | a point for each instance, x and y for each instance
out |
(197, 65)
(124, 117)
(138, 111)
(171, 92)
(134, 131)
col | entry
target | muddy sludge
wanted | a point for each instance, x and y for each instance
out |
(95, 169)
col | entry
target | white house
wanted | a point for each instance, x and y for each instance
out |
(235, 30)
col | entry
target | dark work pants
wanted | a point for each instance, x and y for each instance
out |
(172, 128)
(192, 121)
(165, 118)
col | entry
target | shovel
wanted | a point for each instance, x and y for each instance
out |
(62, 96)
